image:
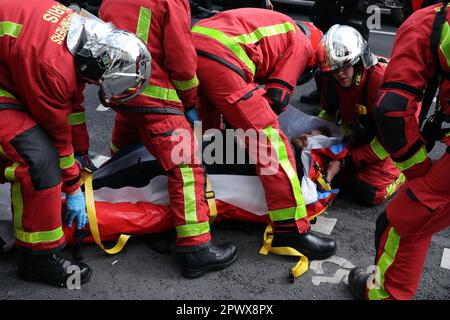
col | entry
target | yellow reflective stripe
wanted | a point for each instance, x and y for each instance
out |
(76, 118)
(445, 42)
(264, 32)
(8, 28)
(280, 148)
(161, 93)
(378, 149)
(190, 207)
(192, 230)
(6, 94)
(447, 134)
(67, 162)
(323, 114)
(143, 25)
(377, 292)
(10, 172)
(114, 149)
(29, 237)
(186, 85)
(420, 156)
(390, 189)
(227, 41)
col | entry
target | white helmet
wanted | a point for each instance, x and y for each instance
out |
(343, 45)
(115, 60)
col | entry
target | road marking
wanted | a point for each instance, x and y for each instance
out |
(316, 265)
(445, 262)
(102, 108)
(341, 275)
(324, 225)
(387, 33)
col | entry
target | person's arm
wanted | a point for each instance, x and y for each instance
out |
(179, 52)
(77, 121)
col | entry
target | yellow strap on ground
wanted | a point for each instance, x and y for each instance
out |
(90, 208)
(210, 198)
(302, 265)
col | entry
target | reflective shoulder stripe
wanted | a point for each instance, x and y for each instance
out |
(390, 251)
(420, 156)
(229, 42)
(186, 85)
(378, 149)
(264, 32)
(445, 42)
(6, 94)
(143, 25)
(76, 118)
(161, 93)
(67, 162)
(8, 28)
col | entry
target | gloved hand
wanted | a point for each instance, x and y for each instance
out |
(192, 115)
(76, 209)
(85, 162)
(432, 129)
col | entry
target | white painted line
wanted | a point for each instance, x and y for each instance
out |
(324, 225)
(102, 108)
(387, 33)
(445, 262)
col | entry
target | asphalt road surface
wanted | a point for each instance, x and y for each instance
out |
(140, 273)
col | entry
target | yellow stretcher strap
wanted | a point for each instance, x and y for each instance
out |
(210, 198)
(90, 207)
(302, 265)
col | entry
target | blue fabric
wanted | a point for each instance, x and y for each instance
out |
(192, 115)
(337, 148)
(76, 209)
(325, 194)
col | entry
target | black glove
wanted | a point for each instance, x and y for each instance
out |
(432, 129)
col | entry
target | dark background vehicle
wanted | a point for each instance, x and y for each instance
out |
(391, 7)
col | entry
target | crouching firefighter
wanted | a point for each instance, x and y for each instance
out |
(351, 78)
(239, 50)
(166, 106)
(422, 208)
(42, 75)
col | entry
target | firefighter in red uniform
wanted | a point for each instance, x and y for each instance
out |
(351, 78)
(42, 75)
(422, 208)
(164, 25)
(239, 49)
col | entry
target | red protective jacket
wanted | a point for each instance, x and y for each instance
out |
(38, 71)
(355, 105)
(271, 56)
(399, 104)
(165, 26)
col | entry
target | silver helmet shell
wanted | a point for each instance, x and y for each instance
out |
(342, 46)
(115, 60)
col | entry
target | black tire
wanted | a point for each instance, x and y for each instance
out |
(397, 16)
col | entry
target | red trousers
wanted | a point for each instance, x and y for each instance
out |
(31, 164)
(223, 92)
(373, 183)
(420, 210)
(186, 180)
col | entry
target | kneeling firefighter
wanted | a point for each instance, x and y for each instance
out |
(155, 117)
(351, 78)
(42, 76)
(239, 50)
(422, 208)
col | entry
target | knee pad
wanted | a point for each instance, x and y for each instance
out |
(34, 146)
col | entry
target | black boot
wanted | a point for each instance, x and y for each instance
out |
(312, 98)
(310, 245)
(196, 261)
(357, 282)
(52, 269)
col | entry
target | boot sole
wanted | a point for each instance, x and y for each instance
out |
(191, 274)
(33, 278)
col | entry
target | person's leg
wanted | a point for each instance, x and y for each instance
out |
(403, 234)
(124, 134)
(245, 109)
(32, 168)
(171, 140)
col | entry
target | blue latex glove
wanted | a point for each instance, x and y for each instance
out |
(192, 115)
(76, 209)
